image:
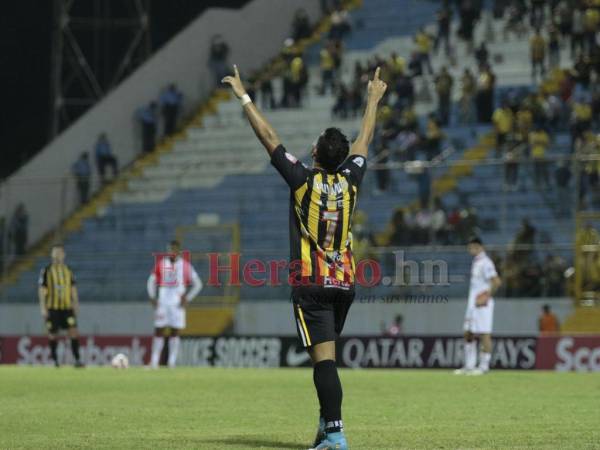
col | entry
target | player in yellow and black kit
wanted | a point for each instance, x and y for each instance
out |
(322, 200)
(59, 302)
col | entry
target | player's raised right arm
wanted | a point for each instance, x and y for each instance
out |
(375, 92)
(262, 128)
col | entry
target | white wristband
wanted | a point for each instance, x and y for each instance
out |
(245, 99)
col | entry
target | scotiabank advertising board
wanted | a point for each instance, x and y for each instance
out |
(564, 353)
(95, 350)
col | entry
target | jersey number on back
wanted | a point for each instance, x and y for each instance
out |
(331, 217)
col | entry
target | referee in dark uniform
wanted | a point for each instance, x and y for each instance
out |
(59, 302)
(322, 201)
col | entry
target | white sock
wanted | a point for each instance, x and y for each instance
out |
(157, 345)
(470, 355)
(173, 350)
(484, 361)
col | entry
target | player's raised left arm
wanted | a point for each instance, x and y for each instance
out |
(375, 92)
(262, 128)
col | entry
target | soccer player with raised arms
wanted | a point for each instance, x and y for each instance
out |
(322, 201)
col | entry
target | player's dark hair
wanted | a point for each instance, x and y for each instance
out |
(475, 240)
(332, 149)
(175, 243)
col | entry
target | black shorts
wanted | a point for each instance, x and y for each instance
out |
(60, 319)
(320, 313)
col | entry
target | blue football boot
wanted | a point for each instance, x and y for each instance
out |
(333, 441)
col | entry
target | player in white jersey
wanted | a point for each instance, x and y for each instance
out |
(480, 310)
(171, 285)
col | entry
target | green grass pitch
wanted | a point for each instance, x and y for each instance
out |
(193, 408)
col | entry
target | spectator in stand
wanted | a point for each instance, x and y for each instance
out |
(415, 68)
(400, 234)
(503, 120)
(424, 186)
(298, 76)
(439, 222)
(219, 53)
(148, 118)
(524, 122)
(577, 33)
(482, 55)
(409, 120)
(524, 241)
(582, 71)
(553, 46)
(385, 131)
(423, 43)
(554, 280)
(170, 102)
(395, 329)
(443, 87)
(562, 177)
(468, 19)
(563, 17)
(467, 98)
(342, 102)
(511, 166)
(537, 53)
(538, 143)
(356, 99)
(581, 120)
(537, 12)
(423, 222)
(265, 84)
(588, 149)
(18, 230)
(591, 24)
(82, 172)
(405, 92)
(444, 19)
(486, 84)
(337, 53)
(548, 322)
(327, 65)
(340, 24)
(301, 25)
(514, 21)
(397, 65)
(433, 137)
(105, 157)
(407, 144)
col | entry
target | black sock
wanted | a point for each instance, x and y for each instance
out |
(75, 348)
(52, 344)
(329, 391)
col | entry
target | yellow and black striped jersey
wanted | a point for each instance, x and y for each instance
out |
(59, 280)
(321, 208)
